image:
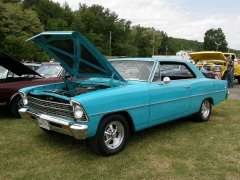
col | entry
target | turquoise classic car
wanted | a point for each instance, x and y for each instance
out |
(112, 98)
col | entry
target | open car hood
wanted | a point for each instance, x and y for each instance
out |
(15, 66)
(77, 55)
(207, 55)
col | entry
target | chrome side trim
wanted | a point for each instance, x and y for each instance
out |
(119, 110)
(155, 103)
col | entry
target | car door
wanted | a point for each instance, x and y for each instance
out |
(171, 100)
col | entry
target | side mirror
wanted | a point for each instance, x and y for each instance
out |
(166, 80)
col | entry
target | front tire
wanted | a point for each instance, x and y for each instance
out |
(204, 113)
(111, 136)
(16, 104)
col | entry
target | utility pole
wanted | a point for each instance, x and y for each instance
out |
(217, 48)
(166, 50)
(153, 46)
(110, 44)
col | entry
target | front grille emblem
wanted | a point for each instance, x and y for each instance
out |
(50, 98)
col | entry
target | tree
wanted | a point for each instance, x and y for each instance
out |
(148, 41)
(2, 36)
(164, 43)
(215, 40)
(53, 10)
(18, 22)
(97, 23)
(18, 25)
(11, 1)
(19, 49)
(56, 25)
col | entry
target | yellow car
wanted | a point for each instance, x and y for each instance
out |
(216, 62)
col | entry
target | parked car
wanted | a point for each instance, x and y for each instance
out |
(7, 63)
(4, 73)
(120, 96)
(15, 75)
(216, 62)
(33, 65)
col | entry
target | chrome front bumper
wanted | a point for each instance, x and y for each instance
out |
(56, 124)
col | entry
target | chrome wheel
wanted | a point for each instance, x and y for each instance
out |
(113, 135)
(205, 109)
(204, 112)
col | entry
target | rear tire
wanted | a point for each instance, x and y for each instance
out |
(111, 136)
(204, 113)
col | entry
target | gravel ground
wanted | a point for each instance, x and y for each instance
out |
(234, 92)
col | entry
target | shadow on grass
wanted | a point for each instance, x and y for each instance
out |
(69, 144)
(58, 138)
(6, 114)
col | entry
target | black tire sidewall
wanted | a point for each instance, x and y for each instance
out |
(14, 106)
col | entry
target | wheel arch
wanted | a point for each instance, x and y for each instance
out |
(14, 96)
(126, 115)
(211, 100)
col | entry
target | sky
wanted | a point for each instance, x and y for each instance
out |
(186, 19)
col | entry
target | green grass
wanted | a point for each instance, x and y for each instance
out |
(178, 150)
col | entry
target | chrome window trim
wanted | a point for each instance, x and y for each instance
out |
(181, 63)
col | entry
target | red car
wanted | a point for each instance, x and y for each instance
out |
(19, 76)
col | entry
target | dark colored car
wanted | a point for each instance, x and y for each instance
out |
(18, 75)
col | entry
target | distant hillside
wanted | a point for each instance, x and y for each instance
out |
(177, 44)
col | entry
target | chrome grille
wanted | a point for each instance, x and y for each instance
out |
(57, 109)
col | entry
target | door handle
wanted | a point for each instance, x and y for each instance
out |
(187, 87)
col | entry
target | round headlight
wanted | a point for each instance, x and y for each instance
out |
(24, 98)
(78, 111)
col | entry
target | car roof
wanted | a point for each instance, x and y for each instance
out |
(14, 65)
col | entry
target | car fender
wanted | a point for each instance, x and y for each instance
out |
(135, 102)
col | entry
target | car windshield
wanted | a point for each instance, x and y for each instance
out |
(50, 70)
(133, 69)
(3, 72)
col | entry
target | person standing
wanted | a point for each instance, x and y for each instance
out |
(230, 72)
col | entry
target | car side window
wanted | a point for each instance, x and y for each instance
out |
(173, 70)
